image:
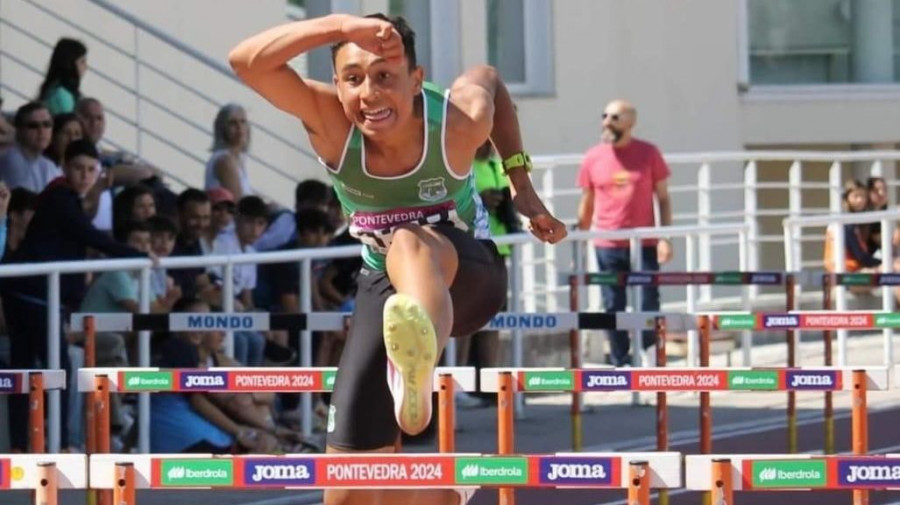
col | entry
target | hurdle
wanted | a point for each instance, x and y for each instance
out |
(44, 474)
(104, 381)
(723, 474)
(858, 380)
(33, 383)
(636, 472)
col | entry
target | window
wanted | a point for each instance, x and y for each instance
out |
(823, 41)
(526, 63)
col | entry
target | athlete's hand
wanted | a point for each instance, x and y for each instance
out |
(547, 228)
(376, 36)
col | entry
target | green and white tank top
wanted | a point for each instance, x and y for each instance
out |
(429, 194)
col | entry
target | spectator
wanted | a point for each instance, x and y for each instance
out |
(314, 229)
(66, 128)
(59, 231)
(858, 254)
(221, 222)
(878, 201)
(227, 167)
(24, 164)
(21, 210)
(493, 188)
(68, 64)
(189, 422)
(250, 222)
(162, 240)
(309, 193)
(194, 221)
(7, 132)
(125, 169)
(619, 178)
(117, 292)
(134, 203)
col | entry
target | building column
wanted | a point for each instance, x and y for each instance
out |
(872, 54)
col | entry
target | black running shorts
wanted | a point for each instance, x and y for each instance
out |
(361, 414)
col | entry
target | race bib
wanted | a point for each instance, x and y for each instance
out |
(376, 229)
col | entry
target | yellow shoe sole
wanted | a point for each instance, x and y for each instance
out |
(411, 345)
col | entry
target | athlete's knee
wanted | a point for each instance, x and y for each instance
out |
(412, 241)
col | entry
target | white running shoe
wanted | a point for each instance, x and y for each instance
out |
(411, 345)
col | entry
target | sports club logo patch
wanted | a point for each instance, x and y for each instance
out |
(432, 190)
(781, 321)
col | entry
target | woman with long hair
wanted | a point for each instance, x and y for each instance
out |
(67, 128)
(226, 167)
(68, 64)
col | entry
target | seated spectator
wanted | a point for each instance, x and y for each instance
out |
(59, 231)
(194, 219)
(227, 167)
(310, 193)
(249, 224)
(19, 214)
(221, 222)
(162, 240)
(24, 164)
(68, 64)
(212, 423)
(66, 128)
(124, 168)
(134, 203)
(189, 422)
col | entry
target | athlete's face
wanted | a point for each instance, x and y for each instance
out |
(377, 95)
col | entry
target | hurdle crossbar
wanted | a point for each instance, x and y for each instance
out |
(386, 471)
(22, 471)
(242, 379)
(16, 381)
(685, 379)
(767, 472)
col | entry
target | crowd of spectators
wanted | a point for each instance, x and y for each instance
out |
(65, 196)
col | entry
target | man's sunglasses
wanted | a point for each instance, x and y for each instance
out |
(614, 117)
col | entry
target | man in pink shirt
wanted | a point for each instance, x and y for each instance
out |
(619, 177)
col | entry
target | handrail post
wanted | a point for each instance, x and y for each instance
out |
(144, 361)
(54, 339)
(306, 358)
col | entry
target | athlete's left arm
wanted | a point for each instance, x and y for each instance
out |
(488, 111)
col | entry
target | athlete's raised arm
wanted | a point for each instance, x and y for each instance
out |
(484, 108)
(261, 61)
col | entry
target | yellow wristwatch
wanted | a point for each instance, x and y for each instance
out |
(520, 159)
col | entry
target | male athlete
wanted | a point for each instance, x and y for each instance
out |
(400, 154)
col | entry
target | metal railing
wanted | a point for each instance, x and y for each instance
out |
(53, 270)
(835, 223)
(757, 187)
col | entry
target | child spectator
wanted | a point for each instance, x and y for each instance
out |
(19, 214)
(250, 222)
(162, 240)
(221, 222)
(134, 203)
